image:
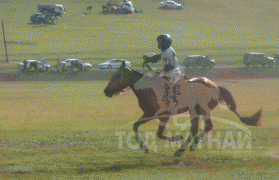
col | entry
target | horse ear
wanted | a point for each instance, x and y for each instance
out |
(123, 64)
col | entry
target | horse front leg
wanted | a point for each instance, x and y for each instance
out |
(163, 122)
(194, 131)
(141, 121)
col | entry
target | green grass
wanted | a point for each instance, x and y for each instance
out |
(98, 37)
(46, 135)
(61, 126)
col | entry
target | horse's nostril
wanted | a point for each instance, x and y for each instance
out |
(108, 93)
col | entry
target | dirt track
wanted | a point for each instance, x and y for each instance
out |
(236, 74)
(219, 74)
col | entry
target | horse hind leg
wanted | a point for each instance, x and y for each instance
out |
(141, 121)
(163, 121)
(208, 127)
(194, 131)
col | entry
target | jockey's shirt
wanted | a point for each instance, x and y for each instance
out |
(169, 58)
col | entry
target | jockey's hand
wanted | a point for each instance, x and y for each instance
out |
(145, 57)
(144, 63)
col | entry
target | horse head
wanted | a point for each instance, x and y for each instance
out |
(121, 79)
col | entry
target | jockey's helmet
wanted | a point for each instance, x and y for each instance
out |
(164, 41)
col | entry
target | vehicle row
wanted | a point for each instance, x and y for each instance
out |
(191, 61)
(194, 61)
(65, 65)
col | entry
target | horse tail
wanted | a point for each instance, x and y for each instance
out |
(226, 96)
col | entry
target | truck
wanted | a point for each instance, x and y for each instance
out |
(38, 18)
(47, 14)
(56, 10)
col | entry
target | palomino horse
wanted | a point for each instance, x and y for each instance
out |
(160, 101)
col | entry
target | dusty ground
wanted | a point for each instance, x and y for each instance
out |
(5, 77)
(224, 73)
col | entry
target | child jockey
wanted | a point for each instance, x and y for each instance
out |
(171, 68)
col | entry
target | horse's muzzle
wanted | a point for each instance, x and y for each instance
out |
(108, 93)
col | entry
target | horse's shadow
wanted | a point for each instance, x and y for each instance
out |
(117, 167)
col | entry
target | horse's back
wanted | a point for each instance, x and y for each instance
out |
(199, 90)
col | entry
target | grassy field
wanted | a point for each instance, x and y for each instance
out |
(70, 130)
(225, 30)
(63, 127)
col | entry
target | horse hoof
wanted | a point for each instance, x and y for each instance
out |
(178, 152)
(192, 148)
(145, 149)
(178, 138)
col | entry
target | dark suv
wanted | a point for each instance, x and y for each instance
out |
(43, 18)
(198, 60)
(276, 59)
(255, 59)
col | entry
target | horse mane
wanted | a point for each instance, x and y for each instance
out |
(136, 73)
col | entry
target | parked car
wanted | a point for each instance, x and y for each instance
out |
(125, 7)
(171, 5)
(113, 64)
(56, 10)
(32, 65)
(74, 65)
(276, 59)
(255, 59)
(198, 61)
(43, 18)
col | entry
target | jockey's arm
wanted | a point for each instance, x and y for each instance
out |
(154, 58)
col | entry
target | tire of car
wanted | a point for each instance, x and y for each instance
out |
(46, 69)
(63, 67)
(109, 67)
(203, 65)
(210, 66)
(255, 64)
(271, 64)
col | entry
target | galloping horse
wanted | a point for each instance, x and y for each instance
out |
(160, 101)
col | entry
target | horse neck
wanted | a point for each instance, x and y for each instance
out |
(134, 78)
(147, 100)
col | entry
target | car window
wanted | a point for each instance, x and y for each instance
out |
(190, 58)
